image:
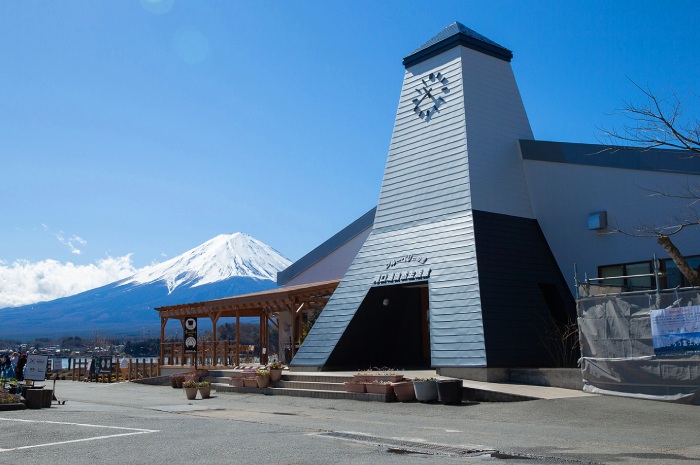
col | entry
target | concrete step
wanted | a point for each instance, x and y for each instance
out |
(310, 385)
(313, 393)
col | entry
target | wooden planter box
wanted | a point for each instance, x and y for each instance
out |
(404, 391)
(354, 387)
(376, 388)
(236, 382)
(369, 378)
(250, 382)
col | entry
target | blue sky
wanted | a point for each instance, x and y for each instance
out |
(132, 131)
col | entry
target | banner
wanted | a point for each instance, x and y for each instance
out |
(190, 336)
(676, 331)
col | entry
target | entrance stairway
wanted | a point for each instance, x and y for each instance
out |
(318, 385)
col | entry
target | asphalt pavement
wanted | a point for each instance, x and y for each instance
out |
(131, 423)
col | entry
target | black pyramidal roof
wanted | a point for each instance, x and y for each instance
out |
(453, 35)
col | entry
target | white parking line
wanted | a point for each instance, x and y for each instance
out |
(132, 432)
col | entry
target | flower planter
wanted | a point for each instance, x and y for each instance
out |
(426, 391)
(370, 378)
(263, 380)
(354, 387)
(250, 382)
(205, 392)
(191, 393)
(237, 382)
(404, 391)
(275, 375)
(379, 388)
(191, 377)
(450, 391)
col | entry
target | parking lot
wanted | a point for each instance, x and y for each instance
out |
(132, 423)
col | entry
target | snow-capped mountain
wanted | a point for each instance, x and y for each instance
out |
(224, 266)
(225, 256)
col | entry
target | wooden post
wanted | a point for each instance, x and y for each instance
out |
(261, 338)
(214, 320)
(163, 322)
(238, 337)
(182, 359)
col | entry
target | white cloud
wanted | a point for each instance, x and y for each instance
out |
(23, 282)
(70, 242)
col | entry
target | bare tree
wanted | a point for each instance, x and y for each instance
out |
(660, 123)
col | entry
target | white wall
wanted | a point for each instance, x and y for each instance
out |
(563, 195)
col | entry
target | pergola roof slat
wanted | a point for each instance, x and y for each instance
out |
(255, 303)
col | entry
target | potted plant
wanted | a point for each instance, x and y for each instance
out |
(191, 376)
(204, 388)
(236, 381)
(354, 386)
(13, 386)
(263, 377)
(450, 391)
(190, 388)
(404, 390)
(379, 387)
(276, 371)
(250, 379)
(378, 374)
(426, 389)
(177, 380)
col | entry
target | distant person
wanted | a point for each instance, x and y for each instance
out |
(21, 362)
(7, 370)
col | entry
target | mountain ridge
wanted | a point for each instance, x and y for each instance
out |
(227, 265)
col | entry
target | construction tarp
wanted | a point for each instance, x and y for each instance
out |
(618, 353)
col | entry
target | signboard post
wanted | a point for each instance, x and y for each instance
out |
(190, 338)
(35, 369)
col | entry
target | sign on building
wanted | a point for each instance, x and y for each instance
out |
(676, 331)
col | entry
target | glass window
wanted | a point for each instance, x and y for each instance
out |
(636, 283)
(674, 278)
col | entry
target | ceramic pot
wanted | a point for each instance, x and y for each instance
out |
(426, 391)
(205, 392)
(404, 391)
(191, 393)
(263, 380)
(275, 375)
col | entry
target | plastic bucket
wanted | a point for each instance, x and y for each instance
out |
(450, 391)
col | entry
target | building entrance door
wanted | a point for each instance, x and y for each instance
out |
(389, 329)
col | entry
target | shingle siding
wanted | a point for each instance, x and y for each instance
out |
(425, 208)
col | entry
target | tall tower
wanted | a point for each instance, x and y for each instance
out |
(454, 235)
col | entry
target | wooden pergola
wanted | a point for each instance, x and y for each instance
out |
(266, 305)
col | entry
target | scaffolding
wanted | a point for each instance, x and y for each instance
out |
(619, 355)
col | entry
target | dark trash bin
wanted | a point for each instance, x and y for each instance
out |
(450, 391)
(34, 398)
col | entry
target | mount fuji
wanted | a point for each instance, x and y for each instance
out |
(227, 265)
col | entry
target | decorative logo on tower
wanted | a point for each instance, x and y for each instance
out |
(411, 274)
(429, 97)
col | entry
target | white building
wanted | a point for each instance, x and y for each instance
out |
(468, 259)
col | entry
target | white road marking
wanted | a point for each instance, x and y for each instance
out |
(132, 432)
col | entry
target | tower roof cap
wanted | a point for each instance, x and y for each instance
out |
(453, 35)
